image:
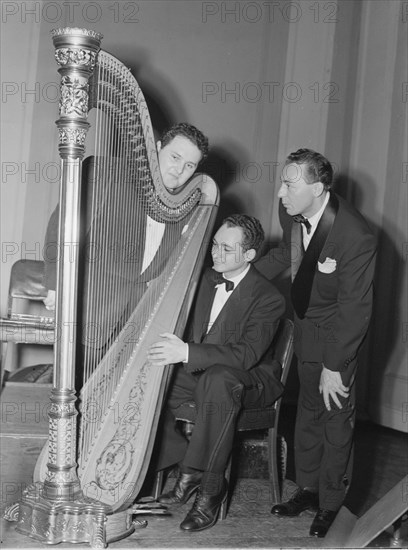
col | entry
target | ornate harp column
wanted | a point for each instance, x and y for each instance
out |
(56, 510)
(76, 51)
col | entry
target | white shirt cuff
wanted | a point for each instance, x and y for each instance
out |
(186, 359)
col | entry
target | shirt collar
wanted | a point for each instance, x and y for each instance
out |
(238, 278)
(314, 220)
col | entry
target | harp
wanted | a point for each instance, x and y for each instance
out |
(85, 485)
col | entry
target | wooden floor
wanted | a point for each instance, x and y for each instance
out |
(380, 462)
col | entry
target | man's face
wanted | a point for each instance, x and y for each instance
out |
(227, 253)
(178, 161)
(298, 196)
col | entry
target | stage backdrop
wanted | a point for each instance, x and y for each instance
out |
(261, 79)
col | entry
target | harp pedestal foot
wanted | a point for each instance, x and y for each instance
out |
(11, 512)
(51, 522)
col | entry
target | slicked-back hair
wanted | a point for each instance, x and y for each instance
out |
(190, 132)
(251, 227)
(318, 168)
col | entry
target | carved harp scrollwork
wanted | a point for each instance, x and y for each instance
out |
(126, 297)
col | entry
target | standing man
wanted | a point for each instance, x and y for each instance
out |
(220, 368)
(331, 251)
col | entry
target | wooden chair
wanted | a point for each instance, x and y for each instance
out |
(25, 306)
(253, 419)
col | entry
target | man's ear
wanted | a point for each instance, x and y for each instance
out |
(158, 146)
(318, 188)
(250, 254)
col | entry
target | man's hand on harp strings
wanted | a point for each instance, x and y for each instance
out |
(169, 350)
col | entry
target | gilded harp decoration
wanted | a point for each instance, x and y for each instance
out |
(88, 479)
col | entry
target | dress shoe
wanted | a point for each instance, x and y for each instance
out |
(302, 500)
(205, 510)
(185, 486)
(322, 522)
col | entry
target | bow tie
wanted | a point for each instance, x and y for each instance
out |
(219, 280)
(301, 219)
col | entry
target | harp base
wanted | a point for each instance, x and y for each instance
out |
(77, 521)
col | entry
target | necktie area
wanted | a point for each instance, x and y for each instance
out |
(219, 280)
(301, 219)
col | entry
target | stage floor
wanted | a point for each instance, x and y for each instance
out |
(380, 462)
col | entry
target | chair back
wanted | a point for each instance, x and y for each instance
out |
(283, 346)
(26, 286)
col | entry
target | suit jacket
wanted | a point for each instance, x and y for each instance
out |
(241, 335)
(340, 304)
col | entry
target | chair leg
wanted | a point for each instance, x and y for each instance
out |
(273, 466)
(158, 484)
(396, 540)
(224, 505)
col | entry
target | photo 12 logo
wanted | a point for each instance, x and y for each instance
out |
(270, 11)
(70, 13)
(25, 92)
(270, 92)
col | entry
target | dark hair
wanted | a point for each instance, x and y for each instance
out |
(190, 132)
(318, 168)
(253, 232)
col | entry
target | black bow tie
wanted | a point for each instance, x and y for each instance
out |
(219, 280)
(301, 219)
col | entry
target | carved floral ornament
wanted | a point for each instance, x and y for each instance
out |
(76, 56)
(74, 96)
(73, 136)
(61, 408)
(75, 31)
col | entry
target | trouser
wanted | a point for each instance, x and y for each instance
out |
(219, 393)
(323, 439)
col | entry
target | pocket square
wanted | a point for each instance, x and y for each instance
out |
(328, 266)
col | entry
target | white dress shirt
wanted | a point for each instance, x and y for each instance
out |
(153, 239)
(221, 296)
(313, 220)
(220, 299)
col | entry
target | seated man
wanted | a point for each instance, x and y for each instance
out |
(220, 368)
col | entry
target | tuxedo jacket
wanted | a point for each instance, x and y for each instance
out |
(242, 333)
(340, 261)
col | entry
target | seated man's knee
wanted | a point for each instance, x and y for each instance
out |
(219, 380)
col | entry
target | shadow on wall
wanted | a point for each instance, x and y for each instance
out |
(165, 109)
(221, 165)
(385, 331)
(385, 328)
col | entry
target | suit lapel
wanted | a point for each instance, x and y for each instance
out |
(297, 251)
(303, 281)
(231, 310)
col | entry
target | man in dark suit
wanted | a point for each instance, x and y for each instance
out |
(123, 256)
(181, 149)
(221, 368)
(331, 251)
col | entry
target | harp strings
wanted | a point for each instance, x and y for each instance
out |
(114, 241)
(128, 249)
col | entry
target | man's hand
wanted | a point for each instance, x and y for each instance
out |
(331, 385)
(169, 350)
(49, 301)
